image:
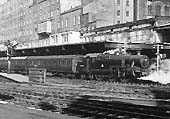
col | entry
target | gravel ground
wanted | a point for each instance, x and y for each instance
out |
(61, 88)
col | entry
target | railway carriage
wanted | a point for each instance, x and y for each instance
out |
(17, 64)
(3, 64)
(55, 64)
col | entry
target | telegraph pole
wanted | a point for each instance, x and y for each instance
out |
(9, 61)
(10, 48)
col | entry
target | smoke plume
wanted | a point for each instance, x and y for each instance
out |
(161, 76)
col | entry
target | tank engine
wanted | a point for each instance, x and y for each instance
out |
(112, 66)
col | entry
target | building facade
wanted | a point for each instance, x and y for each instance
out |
(16, 20)
(37, 23)
(99, 13)
(152, 8)
(68, 26)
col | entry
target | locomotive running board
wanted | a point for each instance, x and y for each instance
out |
(18, 78)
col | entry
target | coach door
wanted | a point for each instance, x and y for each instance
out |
(74, 65)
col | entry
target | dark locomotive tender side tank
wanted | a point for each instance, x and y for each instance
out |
(87, 62)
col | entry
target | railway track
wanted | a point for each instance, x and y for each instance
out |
(72, 99)
(97, 109)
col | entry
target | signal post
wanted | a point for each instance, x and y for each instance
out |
(10, 49)
(158, 47)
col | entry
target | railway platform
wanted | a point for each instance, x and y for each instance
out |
(18, 78)
(11, 111)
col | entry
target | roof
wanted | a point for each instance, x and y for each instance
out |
(54, 56)
(72, 9)
(92, 55)
(128, 24)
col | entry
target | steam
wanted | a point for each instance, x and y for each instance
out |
(163, 76)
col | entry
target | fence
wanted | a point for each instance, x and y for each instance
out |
(37, 75)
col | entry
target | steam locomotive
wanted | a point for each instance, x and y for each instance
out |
(90, 66)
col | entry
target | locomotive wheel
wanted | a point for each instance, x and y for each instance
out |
(98, 77)
(83, 76)
(76, 76)
(91, 77)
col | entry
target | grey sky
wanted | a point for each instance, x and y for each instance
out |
(67, 4)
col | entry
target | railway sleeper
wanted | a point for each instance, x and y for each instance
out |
(121, 106)
(119, 111)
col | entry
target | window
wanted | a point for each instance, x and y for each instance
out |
(118, 2)
(56, 39)
(48, 14)
(127, 13)
(74, 20)
(62, 24)
(150, 10)
(66, 23)
(167, 10)
(65, 38)
(40, 17)
(40, 7)
(118, 12)
(57, 12)
(127, 2)
(52, 2)
(52, 13)
(78, 20)
(58, 24)
(158, 10)
(35, 15)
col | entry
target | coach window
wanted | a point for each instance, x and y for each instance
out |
(32, 62)
(123, 63)
(48, 62)
(93, 59)
(69, 62)
(57, 62)
(39, 62)
(65, 62)
(158, 10)
(54, 63)
(21, 62)
(61, 62)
